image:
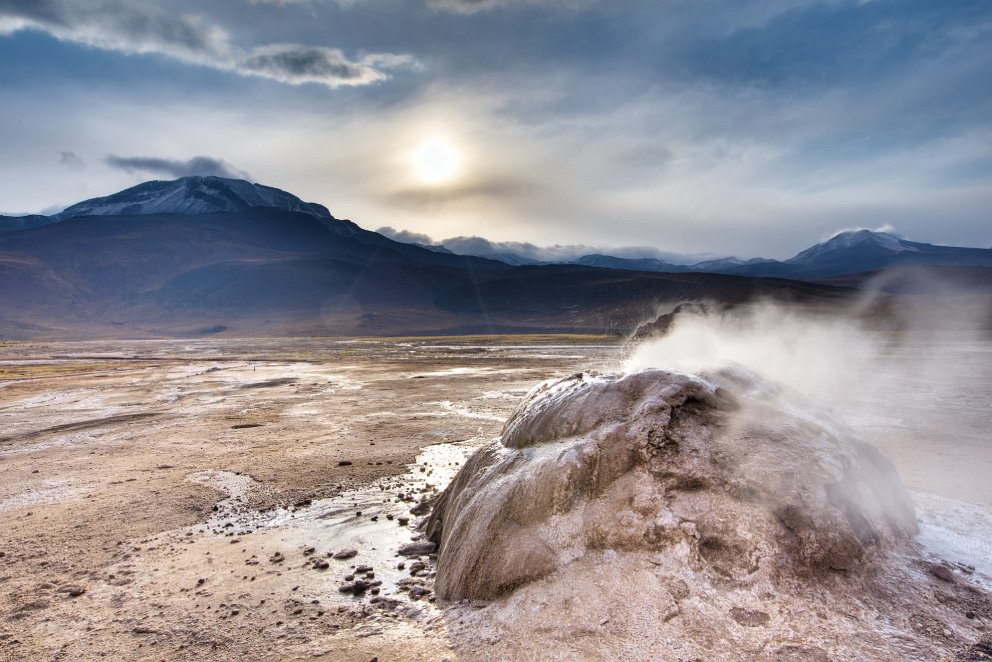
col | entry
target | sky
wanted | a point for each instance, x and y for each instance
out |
(703, 127)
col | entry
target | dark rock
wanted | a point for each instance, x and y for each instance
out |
(344, 463)
(419, 548)
(417, 566)
(417, 592)
(421, 508)
(345, 554)
(358, 586)
(363, 568)
(321, 565)
(403, 521)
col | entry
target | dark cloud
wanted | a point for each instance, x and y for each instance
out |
(136, 28)
(197, 166)
(71, 161)
(292, 63)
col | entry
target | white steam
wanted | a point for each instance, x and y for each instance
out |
(818, 355)
(908, 366)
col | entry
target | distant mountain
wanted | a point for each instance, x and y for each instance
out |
(859, 251)
(187, 195)
(852, 252)
(15, 223)
(257, 269)
(630, 264)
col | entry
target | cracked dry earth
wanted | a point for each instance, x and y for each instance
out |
(185, 500)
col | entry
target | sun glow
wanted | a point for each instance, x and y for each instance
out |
(436, 161)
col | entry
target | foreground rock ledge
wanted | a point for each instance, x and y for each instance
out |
(722, 478)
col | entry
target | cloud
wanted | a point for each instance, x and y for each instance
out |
(405, 236)
(490, 187)
(71, 161)
(887, 228)
(475, 6)
(197, 166)
(295, 64)
(134, 28)
(528, 252)
(562, 252)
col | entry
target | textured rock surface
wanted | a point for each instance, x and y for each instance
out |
(719, 475)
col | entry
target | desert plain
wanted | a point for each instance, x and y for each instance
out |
(185, 500)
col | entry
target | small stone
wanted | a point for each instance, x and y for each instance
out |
(400, 565)
(748, 618)
(942, 572)
(417, 566)
(321, 565)
(345, 554)
(344, 463)
(403, 521)
(308, 551)
(74, 591)
(363, 568)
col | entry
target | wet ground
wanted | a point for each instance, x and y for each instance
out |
(185, 499)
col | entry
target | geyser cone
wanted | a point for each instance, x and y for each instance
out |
(719, 476)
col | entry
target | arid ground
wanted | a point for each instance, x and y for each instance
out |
(149, 489)
(174, 500)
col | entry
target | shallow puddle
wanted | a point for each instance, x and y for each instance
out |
(957, 532)
(374, 520)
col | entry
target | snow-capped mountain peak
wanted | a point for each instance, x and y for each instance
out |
(855, 239)
(193, 195)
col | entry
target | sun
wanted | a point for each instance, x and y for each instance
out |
(435, 161)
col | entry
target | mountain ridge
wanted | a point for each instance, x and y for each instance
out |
(845, 253)
(240, 266)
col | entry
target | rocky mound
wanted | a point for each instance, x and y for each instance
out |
(721, 478)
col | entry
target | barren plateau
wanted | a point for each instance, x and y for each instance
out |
(185, 500)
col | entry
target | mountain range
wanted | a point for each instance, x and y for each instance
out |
(848, 252)
(203, 255)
